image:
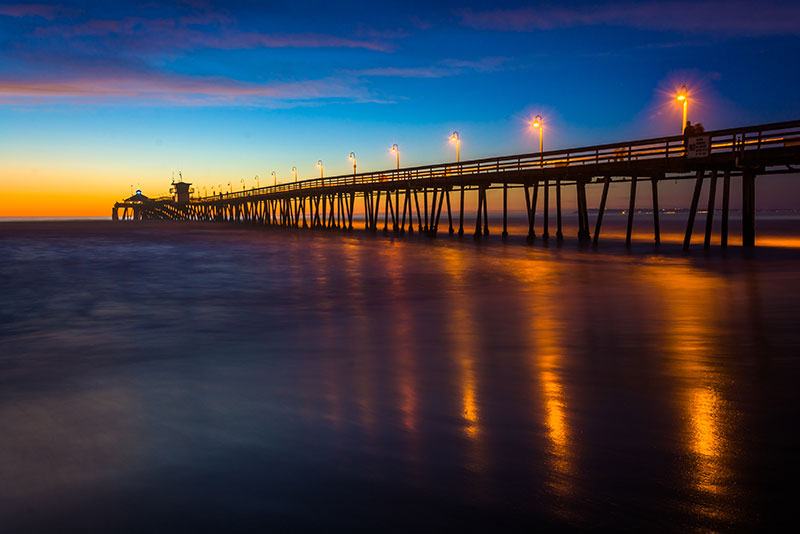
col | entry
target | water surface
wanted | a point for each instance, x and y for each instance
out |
(193, 377)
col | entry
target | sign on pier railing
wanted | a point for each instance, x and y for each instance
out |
(698, 146)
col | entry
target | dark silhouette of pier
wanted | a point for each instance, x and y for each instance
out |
(416, 196)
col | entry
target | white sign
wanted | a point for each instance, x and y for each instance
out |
(697, 147)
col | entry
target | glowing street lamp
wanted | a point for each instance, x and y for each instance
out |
(319, 164)
(455, 137)
(353, 159)
(683, 96)
(230, 186)
(258, 184)
(294, 171)
(537, 123)
(274, 178)
(396, 153)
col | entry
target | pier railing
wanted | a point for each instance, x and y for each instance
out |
(743, 139)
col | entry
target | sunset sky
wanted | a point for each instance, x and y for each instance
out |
(98, 97)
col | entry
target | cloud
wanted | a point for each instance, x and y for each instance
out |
(178, 89)
(407, 72)
(46, 12)
(447, 67)
(709, 16)
(204, 30)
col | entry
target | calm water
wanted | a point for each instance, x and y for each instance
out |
(183, 377)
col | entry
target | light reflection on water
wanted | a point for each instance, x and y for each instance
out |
(322, 379)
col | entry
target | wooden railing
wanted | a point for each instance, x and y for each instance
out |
(744, 139)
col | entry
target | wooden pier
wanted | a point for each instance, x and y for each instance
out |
(416, 196)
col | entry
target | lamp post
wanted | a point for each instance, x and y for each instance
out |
(683, 96)
(319, 164)
(396, 153)
(455, 137)
(353, 159)
(243, 186)
(274, 178)
(294, 171)
(230, 186)
(258, 183)
(537, 123)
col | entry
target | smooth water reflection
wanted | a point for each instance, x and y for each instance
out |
(215, 378)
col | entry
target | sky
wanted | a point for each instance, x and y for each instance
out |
(98, 98)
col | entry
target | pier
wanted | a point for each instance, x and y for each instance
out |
(416, 198)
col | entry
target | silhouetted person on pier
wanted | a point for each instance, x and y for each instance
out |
(698, 128)
(688, 131)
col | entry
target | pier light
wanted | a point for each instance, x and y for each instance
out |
(294, 172)
(396, 154)
(353, 159)
(274, 178)
(319, 164)
(683, 97)
(539, 125)
(230, 186)
(457, 138)
(258, 183)
(243, 185)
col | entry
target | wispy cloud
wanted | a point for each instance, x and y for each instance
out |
(162, 34)
(46, 12)
(79, 55)
(445, 68)
(703, 16)
(170, 88)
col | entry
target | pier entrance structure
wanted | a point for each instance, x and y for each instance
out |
(414, 196)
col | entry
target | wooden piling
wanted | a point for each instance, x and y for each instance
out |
(698, 185)
(631, 211)
(485, 213)
(712, 193)
(656, 213)
(726, 195)
(449, 214)
(477, 234)
(559, 233)
(461, 214)
(602, 209)
(505, 210)
(546, 213)
(749, 208)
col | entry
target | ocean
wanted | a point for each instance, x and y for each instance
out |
(194, 377)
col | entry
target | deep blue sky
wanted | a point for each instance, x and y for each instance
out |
(105, 94)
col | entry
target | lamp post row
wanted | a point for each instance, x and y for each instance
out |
(537, 124)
